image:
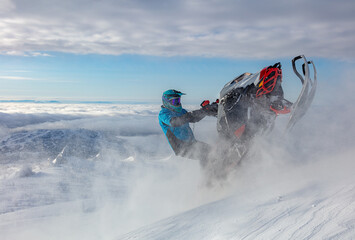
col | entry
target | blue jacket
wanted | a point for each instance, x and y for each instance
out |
(177, 129)
(183, 132)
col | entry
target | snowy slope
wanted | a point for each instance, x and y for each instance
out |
(115, 178)
(280, 209)
(293, 217)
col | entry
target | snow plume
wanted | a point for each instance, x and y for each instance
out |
(115, 173)
(94, 171)
(315, 143)
(296, 186)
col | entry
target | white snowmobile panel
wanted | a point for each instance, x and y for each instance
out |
(240, 82)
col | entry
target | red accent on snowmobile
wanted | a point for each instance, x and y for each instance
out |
(269, 76)
(282, 111)
(205, 103)
(239, 132)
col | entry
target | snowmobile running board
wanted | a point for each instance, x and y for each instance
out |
(309, 86)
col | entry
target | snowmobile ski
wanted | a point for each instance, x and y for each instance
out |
(309, 86)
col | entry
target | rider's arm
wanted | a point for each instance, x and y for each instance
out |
(192, 117)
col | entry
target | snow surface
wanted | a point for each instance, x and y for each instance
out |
(105, 171)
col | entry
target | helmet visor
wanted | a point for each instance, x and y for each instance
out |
(175, 101)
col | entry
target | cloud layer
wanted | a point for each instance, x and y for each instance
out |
(237, 29)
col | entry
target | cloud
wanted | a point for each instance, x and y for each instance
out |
(238, 29)
(16, 78)
(80, 109)
(24, 54)
(20, 78)
(6, 6)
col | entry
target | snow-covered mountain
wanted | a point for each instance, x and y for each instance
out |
(91, 171)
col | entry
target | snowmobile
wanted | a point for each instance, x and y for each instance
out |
(249, 104)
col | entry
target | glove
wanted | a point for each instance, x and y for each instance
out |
(210, 109)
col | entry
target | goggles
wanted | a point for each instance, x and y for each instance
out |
(175, 101)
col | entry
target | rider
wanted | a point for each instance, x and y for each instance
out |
(175, 120)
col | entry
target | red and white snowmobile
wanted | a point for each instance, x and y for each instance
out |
(249, 104)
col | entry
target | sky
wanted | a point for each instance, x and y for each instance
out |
(106, 50)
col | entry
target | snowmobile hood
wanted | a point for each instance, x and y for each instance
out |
(241, 81)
